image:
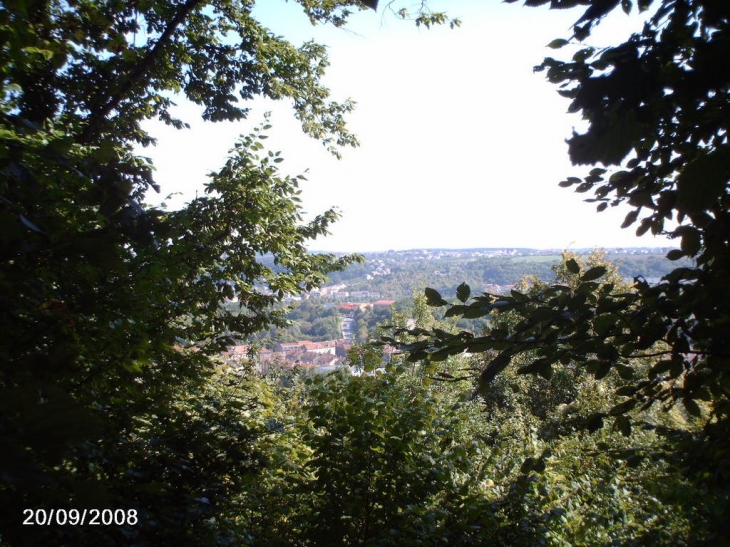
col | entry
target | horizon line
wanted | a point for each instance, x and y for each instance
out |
(504, 248)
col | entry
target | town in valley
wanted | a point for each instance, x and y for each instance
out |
(327, 321)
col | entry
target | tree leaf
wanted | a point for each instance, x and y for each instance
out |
(457, 310)
(463, 291)
(626, 373)
(594, 422)
(558, 43)
(630, 218)
(703, 181)
(29, 224)
(594, 273)
(691, 240)
(433, 298)
(692, 407)
(675, 254)
(602, 370)
(608, 145)
(622, 424)
(626, 391)
(542, 367)
(572, 266)
(623, 408)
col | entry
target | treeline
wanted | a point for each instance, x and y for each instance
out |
(425, 453)
(446, 273)
(308, 320)
(319, 319)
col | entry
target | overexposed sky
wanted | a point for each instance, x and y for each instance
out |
(462, 145)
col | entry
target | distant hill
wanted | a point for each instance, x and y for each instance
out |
(351, 295)
(394, 274)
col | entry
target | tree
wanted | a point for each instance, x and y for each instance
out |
(370, 460)
(112, 307)
(399, 457)
(655, 108)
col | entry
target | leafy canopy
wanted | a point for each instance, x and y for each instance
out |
(657, 140)
(111, 307)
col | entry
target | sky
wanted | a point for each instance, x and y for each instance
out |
(462, 144)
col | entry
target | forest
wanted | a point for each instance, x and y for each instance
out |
(446, 272)
(583, 406)
(318, 317)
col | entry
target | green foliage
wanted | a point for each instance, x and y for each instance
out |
(306, 320)
(580, 489)
(112, 308)
(409, 457)
(667, 83)
(110, 397)
(662, 90)
(427, 17)
(185, 465)
(542, 478)
(647, 344)
(372, 460)
(447, 272)
(656, 140)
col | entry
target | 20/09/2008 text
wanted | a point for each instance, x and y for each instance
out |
(80, 517)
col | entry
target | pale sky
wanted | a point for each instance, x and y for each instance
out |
(462, 145)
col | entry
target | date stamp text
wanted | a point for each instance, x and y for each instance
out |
(80, 517)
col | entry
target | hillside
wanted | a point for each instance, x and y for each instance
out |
(395, 275)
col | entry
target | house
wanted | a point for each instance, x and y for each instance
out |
(350, 306)
(321, 356)
(236, 354)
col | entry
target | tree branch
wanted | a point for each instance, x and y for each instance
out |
(138, 73)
